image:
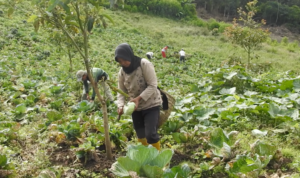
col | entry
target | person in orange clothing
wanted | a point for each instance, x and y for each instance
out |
(164, 51)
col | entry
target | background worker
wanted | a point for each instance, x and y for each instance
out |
(164, 52)
(149, 55)
(98, 74)
(182, 55)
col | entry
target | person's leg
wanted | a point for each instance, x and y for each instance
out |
(151, 117)
(139, 126)
(107, 91)
(163, 54)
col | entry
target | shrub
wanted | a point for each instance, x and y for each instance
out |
(284, 40)
(212, 24)
(205, 32)
(166, 8)
(223, 26)
(134, 9)
(197, 22)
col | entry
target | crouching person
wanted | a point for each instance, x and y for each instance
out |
(99, 75)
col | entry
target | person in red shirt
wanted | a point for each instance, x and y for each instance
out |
(164, 51)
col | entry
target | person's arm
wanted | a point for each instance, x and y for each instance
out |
(121, 86)
(151, 80)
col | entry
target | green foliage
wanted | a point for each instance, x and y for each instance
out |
(165, 8)
(142, 161)
(72, 130)
(212, 24)
(20, 109)
(182, 171)
(252, 165)
(7, 168)
(284, 40)
(56, 104)
(267, 100)
(83, 106)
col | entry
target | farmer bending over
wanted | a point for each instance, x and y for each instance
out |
(137, 78)
(182, 56)
(149, 55)
(164, 52)
(98, 74)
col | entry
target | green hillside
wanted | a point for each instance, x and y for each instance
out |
(228, 121)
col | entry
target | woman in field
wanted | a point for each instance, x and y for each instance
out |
(137, 78)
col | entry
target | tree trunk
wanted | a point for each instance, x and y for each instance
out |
(95, 86)
(85, 56)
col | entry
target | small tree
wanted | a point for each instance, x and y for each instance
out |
(75, 19)
(250, 35)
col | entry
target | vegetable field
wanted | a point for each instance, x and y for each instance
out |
(229, 120)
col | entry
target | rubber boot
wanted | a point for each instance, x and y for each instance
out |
(156, 145)
(143, 141)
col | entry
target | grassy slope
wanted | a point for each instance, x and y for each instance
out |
(144, 33)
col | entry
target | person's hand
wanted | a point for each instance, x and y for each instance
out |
(136, 101)
(120, 111)
(87, 96)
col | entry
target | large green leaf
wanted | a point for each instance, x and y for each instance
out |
(20, 109)
(217, 137)
(83, 106)
(54, 115)
(276, 111)
(178, 171)
(243, 164)
(296, 84)
(286, 84)
(162, 159)
(203, 113)
(225, 151)
(129, 165)
(264, 149)
(229, 91)
(119, 170)
(228, 115)
(3, 161)
(176, 137)
(186, 117)
(152, 171)
(142, 154)
(229, 76)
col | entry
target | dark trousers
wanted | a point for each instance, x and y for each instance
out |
(182, 58)
(145, 124)
(148, 56)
